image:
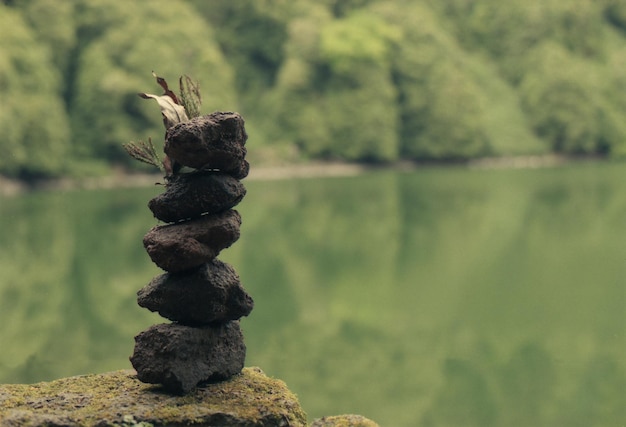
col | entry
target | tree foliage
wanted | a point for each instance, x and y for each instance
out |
(34, 123)
(442, 107)
(563, 97)
(356, 80)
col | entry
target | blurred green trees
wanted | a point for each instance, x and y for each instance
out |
(35, 126)
(355, 80)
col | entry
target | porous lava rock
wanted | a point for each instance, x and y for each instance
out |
(190, 195)
(180, 357)
(208, 294)
(200, 294)
(215, 142)
(189, 244)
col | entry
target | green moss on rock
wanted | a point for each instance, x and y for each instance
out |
(120, 399)
(344, 421)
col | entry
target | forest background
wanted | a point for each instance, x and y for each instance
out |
(348, 80)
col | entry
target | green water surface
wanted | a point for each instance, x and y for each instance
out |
(439, 297)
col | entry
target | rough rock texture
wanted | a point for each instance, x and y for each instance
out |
(202, 295)
(181, 357)
(209, 293)
(185, 245)
(250, 399)
(189, 195)
(344, 421)
(216, 141)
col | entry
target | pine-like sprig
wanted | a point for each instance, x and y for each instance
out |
(190, 96)
(144, 152)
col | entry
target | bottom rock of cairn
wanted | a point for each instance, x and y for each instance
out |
(200, 294)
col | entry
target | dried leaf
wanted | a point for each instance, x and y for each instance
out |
(166, 90)
(190, 96)
(171, 111)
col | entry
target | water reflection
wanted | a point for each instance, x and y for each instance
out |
(66, 280)
(435, 298)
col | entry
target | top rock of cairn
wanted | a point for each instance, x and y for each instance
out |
(213, 142)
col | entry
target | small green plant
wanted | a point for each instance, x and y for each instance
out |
(144, 152)
(190, 96)
(174, 109)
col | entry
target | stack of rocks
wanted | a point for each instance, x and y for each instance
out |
(200, 294)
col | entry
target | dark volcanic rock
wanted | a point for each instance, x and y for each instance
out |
(242, 171)
(216, 141)
(185, 245)
(180, 357)
(210, 293)
(189, 195)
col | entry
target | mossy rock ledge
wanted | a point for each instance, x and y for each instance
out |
(119, 399)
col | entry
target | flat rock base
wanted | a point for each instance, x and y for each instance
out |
(181, 357)
(249, 399)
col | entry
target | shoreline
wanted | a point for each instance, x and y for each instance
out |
(117, 179)
(12, 187)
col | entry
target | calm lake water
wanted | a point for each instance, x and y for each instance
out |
(439, 297)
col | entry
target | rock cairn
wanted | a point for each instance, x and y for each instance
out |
(200, 294)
